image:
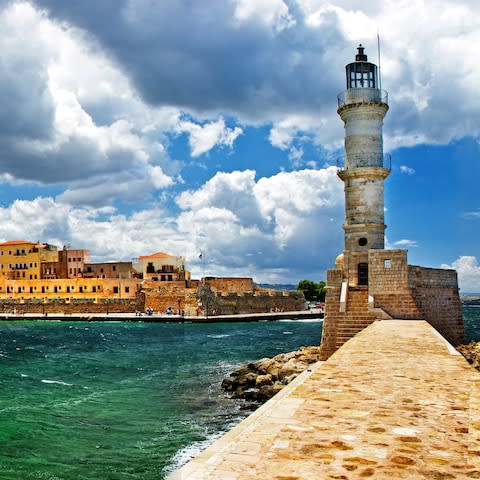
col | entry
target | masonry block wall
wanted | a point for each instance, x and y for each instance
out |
(412, 292)
(435, 292)
(259, 302)
(332, 313)
(230, 284)
(62, 306)
(177, 295)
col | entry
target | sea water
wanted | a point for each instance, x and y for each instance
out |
(118, 401)
(101, 400)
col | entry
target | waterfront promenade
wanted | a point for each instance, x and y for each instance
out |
(164, 318)
(397, 401)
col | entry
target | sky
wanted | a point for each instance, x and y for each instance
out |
(129, 127)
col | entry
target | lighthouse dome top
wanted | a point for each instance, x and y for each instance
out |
(363, 82)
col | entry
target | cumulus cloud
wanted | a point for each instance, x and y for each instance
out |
(108, 234)
(468, 270)
(273, 13)
(288, 222)
(70, 114)
(407, 170)
(202, 138)
(272, 62)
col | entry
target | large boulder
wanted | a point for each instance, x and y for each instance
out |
(260, 380)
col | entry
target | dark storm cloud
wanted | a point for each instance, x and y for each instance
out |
(26, 109)
(195, 55)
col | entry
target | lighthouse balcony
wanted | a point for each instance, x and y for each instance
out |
(353, 96)
(365, 160)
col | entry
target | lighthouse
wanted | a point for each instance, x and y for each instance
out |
(370, 283)
(362, 107)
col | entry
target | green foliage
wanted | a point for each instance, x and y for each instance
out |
(312, 291)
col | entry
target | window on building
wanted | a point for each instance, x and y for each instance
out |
(43, 289)
(68, 289)
(80, 289)
(387, 263)
(127, 289)
(94, 289)
(114, 268)
(115, 289)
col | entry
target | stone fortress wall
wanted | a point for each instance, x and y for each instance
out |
(232, 296)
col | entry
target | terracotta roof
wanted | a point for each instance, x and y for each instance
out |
(156, 255)
(17, 242)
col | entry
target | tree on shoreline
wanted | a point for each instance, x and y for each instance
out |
(313, 291)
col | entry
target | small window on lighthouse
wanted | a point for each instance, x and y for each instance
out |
(362, 241)
(387, 263)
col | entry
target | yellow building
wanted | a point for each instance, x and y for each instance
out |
(68, 289)
(21, 259)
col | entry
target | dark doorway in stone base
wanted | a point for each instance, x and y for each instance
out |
(363, 274)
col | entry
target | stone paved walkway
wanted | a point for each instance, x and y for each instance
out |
(395, 402)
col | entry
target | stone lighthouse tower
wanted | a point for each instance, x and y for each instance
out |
(368, 282)
(362, 107)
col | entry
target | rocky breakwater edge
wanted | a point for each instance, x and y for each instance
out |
(471, 351)
(261, 380)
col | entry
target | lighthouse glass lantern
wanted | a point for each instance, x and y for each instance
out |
(361, 73)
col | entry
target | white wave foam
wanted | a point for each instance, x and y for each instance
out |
(219, 335)
(58, 382)
(186, 454)
(287, 333)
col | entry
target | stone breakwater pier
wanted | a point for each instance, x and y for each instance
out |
(397, 401)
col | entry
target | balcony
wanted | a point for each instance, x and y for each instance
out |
(354, 96)
(365, 160)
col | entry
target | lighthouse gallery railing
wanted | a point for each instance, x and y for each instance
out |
(362, 95)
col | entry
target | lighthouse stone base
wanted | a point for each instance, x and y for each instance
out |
(393, 290)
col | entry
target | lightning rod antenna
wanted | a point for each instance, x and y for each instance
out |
(379, 69)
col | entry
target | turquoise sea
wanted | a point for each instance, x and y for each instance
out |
(88, 400)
